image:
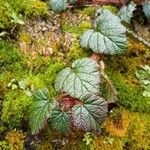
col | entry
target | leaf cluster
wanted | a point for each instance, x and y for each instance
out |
(80, 107)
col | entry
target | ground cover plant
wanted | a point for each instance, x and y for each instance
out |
(74, 75)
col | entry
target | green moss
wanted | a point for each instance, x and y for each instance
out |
(50, 75)
(89, 11)
(77, 52)
(11, 59)
(75, 145)
(45, 146)
(15, 107)
(35, 8)
(77, 29)
(130, 96)
(25, 7)
(139, 132)
(24, 37)
(5, 15)
(129, 131)
(4, 145)
(113, 9)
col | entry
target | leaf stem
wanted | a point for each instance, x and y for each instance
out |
(104, 75)
(99, 60)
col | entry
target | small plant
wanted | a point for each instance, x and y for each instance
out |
(22, 85)
(126, 12)
(108, 37)
(60, 5)
(144, 76)
(88, 138)
(80, 107)
(146, 8)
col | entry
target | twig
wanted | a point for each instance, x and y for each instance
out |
(13, 28)
(102, 67)
(138, 37)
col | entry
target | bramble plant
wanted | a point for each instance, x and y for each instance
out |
(79, 105)
(144, 76)
(126, 13)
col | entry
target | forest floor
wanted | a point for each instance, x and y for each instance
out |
(38, 50)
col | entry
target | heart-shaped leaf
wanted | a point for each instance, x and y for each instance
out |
(90, 114)
(60, 120)
(146, 8)
(40, 110)
(109, 37)
(58, 5)
(126, 12)
(82, 79)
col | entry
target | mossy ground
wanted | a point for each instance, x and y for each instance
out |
(125, 128)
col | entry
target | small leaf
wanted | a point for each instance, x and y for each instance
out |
(146, 82)
(40, 110)
(89, 115)
(23, 84)
(146, 8)
(109, 37)
(19, 21)
(14, 86)
(58, 5)
(146, 93)
(83, 78)
(60, 120)
(126, 12)
(3, 33)
(28, 93)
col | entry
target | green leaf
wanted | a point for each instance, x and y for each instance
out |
(60, 120)
(16, 19)
(3, 33)
(23, 84)
(146, 8)
(89, 115)
(109, 37)
(146, 93)
(14, 86)
(83, 78)
(58, 5)
(126, 12)
(40, 110)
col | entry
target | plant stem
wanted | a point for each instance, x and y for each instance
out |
(13, 28)
(138, 37)
(104, 75)
(99, 60)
